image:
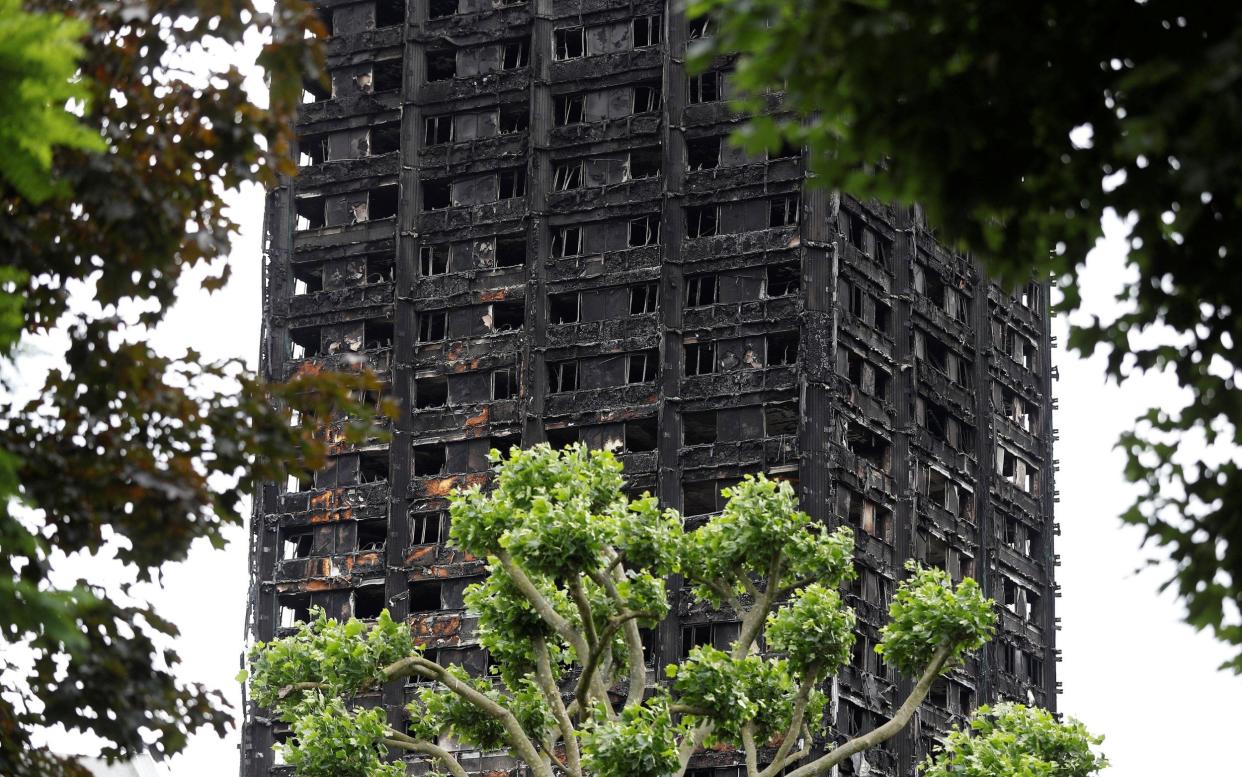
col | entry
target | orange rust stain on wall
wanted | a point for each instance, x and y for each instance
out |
(481, 418)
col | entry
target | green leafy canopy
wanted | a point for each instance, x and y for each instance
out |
(1016, 127)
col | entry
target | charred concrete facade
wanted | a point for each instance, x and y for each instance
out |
(524, 215)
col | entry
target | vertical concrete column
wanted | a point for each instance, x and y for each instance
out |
(539, 240)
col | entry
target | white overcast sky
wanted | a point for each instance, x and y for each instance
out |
(1131, 669)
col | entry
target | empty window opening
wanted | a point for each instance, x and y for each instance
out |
(567, 109)
(783, 211)
(504, 383)
(426, 528)
(567, 241)
(564, 308)
(883, 316)
(372, 466)
(718, 635)
(644, 231)
(641, 435)
(515, 54)
(369, 602)
(310, 212)
(437, 129)
(701, 497)
(782, 348)
(314, 91)
(867, 516)
(701, 290)
(297, 544)
(306, 342)
(385, 138)
(387, 75)
(783, 279)
(700, 358)
(700, 27)
(372, 535)
(307, 280)
(780, 418)
(648, 30)
(642, 367)
(1018, 409)
(702, 220)
(786, 150)
(562, 376)
(511, 252)
(699, 428)
(512, 183)
(507, 316)
(441, 64)
(568, 43)
(430, 392)
(567, 176)
(1030, 296)
(644, 163)
(325, 18)
(432, 326)
(292, 609)
(644, 298)
(429, 460)
(869, 446)
(705, 87)
(439, 9)
(377, 334)
(1020, 600)
(312, 150)
(646, 98)
(389, 13)
(1020, 537)
(433, 259)
(514, 118)
(1016, 470)
(703, 153)
(437, 194)
(562, 437)
(379, 268)
(426, 596)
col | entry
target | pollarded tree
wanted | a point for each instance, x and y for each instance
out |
(574, 570)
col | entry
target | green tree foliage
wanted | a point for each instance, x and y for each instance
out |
(1017, 740)
(123, 447)
(967, 108)
(38, 59)
(575, 567)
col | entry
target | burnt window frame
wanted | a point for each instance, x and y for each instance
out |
(648, 294)
(566, 241)
(429, 323)
(566, 41)
(643, 225)
(702, 220)
(508, 378)
(704, 88)
(701, 350)
(642, 367)
(563, 376)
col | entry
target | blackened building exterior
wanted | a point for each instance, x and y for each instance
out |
(525, 217)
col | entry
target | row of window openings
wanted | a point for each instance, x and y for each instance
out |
(571, 42)
(308, 342)
(780, 280)
(704, 427)
(780, 349)
(866, 515)
(384, 76)
(701, 221)
(311, 211)
(380, 139)
(372, 269)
